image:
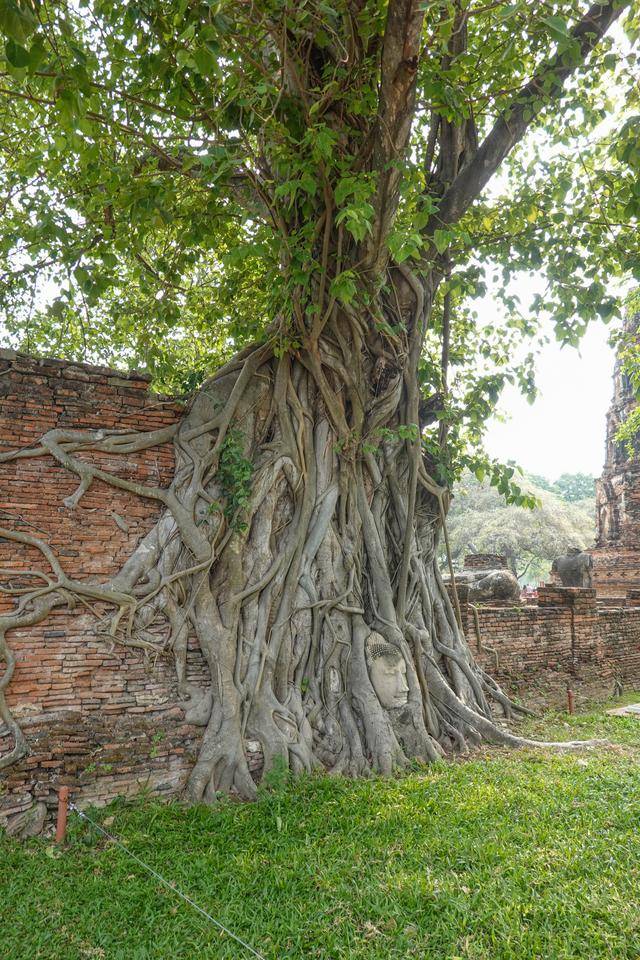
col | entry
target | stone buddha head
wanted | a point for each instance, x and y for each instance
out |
(387, 671)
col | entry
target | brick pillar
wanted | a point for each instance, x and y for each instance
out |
(586, 646)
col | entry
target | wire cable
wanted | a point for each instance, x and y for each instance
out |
(166, 883)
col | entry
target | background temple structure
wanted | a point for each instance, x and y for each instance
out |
(617, 551)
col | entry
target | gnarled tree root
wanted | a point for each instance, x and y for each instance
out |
(330, 547)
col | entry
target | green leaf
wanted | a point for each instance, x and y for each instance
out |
(404, 246)
(344, 189)
(343, 287)
(557, 27)
(185, 58)
(205, 62)
(441, 240)
(16, 54)
(16, 22)
(83, 278)
(357, 219)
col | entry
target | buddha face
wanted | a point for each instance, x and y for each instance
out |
(388, 673)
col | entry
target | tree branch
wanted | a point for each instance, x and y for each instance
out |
(396, 105)
(545, 87)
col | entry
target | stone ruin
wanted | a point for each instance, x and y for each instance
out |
(616, 556)
(575, 569)
(486, 577)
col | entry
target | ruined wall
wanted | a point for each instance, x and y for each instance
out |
(565, 639)
(97, 716)
(485, 561)
(617, 552)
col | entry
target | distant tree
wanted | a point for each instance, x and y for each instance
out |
(571, 487)
(541, 482)
(480, 521)
(574, 487)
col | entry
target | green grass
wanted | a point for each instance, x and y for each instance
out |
(509, 855)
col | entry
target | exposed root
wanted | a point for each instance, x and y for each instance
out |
(327, 564)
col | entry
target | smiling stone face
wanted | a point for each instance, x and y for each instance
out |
(388, 672)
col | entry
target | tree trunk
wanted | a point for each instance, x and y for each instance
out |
(298, 543)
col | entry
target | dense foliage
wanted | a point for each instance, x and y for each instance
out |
(161, 166)
(572, 487)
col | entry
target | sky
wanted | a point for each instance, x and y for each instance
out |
(563, 431)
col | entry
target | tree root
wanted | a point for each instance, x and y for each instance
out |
(328, 562)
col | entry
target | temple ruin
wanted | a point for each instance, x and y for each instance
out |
(107, 720)
(616, 555)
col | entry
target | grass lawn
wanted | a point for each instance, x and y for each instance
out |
(508, 855)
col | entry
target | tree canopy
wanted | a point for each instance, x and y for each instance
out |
(572, 487)
(165, 169)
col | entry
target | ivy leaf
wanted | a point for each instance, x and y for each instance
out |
(324, 142)
(343, 287)
(404, 246)
(346, 186)
(357, 219)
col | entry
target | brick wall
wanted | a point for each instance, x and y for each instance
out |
(485, 561)
(567, 638)
(103, 719)
(616, 570)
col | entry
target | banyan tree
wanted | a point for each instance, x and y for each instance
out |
(285, 210)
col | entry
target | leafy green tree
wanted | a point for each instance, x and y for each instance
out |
(574, 487)
(312, 195)
(480, 521)
(540, 482)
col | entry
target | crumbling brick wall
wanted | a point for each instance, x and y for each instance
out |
(485, 561)
(565, 639)
(97, 716)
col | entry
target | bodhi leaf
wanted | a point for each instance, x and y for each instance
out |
(17, 21)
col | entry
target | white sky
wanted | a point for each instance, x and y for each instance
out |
(563, 431)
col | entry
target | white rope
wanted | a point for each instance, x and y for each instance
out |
(166, 883)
